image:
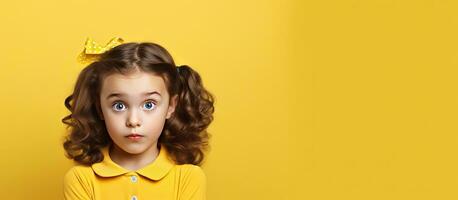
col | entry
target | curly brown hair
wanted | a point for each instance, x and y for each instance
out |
(185, 133)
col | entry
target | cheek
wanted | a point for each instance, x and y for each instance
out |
(154, 123)
(113, 124)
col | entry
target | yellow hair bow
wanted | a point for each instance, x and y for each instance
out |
(92, 50)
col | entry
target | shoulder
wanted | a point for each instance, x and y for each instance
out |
(79, 171)
(191, 171)
(79, 176)
(193, 182)
(192, 175)
(78, 183)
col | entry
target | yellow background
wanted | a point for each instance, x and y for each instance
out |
(314, 99)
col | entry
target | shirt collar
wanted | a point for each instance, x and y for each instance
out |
(154, 171)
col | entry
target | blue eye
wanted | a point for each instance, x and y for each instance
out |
(149, 105)
(118, 106)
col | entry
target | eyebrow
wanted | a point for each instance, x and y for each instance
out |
(122, 94)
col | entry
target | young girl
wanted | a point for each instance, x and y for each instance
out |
(137, 126)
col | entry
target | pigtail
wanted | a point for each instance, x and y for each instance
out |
(84, 141)
(185, 135)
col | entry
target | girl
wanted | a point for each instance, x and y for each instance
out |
(137, 126)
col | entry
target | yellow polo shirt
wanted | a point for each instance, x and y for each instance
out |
(162, 179)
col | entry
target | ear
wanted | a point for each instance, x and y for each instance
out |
(172, 106)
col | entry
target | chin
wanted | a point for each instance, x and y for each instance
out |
(133, 148)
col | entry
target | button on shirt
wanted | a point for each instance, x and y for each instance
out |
(161, 179)
(133, 179)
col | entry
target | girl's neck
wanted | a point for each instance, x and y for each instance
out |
(133, 162)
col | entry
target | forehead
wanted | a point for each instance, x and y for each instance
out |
(133, 84)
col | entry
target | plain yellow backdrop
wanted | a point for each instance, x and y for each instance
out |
(317, 100)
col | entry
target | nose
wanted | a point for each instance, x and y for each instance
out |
(133, 120)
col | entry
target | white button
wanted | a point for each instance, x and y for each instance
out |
(133, 179)
(133, 197)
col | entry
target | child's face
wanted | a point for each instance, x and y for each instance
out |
(135, 104)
